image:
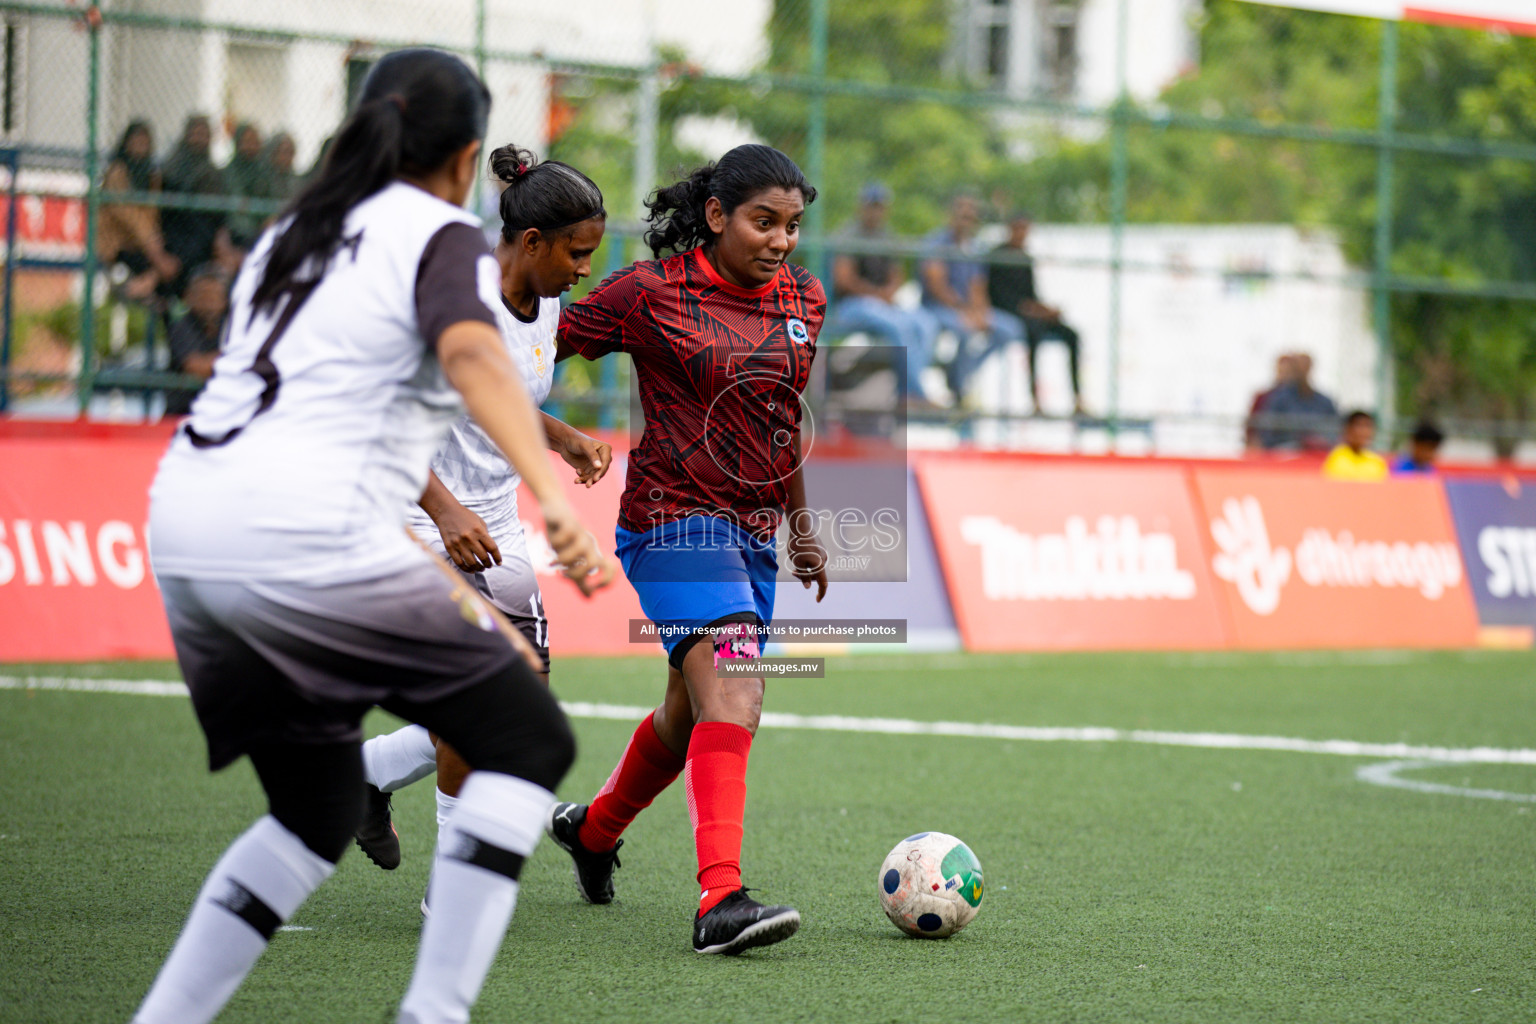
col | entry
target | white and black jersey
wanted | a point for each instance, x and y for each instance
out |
(305, 451)
(469, 464)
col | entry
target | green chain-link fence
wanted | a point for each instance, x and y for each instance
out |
(1210, 184)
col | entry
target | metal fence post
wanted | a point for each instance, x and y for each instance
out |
(816, 138)
(477, 196)
(647, 117)
(1386, 127)
(85, 385)
(13, 162)
(1118, 187)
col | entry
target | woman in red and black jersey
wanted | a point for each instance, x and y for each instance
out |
(722, 334)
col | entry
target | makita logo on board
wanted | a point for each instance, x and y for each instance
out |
(1114, 562)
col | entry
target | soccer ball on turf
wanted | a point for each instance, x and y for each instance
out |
(930, 885)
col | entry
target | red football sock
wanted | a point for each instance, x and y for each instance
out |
(646, 769)
(716, 779)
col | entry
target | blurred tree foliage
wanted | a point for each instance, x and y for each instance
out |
(1470, 220)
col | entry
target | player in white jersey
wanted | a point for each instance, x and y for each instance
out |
(552, 222)
(296, 598)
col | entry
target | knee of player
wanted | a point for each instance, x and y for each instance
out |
(558, 751)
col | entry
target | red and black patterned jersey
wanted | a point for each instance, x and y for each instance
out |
(720, 371)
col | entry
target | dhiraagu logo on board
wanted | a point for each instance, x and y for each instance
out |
(961, 865)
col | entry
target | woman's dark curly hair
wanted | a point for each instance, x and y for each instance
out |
(677, 212)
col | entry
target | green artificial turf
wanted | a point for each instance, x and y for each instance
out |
(1124, 881)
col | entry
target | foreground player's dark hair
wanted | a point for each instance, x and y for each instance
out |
(677, 211)
(417, 109)
(550, 196)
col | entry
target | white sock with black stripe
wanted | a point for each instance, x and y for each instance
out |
(257, 885)
(397, 759)
(445, 806)
(495, 825)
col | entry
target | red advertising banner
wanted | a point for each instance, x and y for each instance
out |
(582, 625)
(1057, 557)
(75, 582)
(47, 227)
(1307, 562)
(75, 579)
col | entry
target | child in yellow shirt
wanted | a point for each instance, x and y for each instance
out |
(1353, 459)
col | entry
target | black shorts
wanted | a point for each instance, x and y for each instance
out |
(291, 663)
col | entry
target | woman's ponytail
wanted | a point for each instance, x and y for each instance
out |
(676, 214)
(550, 196)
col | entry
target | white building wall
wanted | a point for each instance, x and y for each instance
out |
(1160, 46)
(300, 86)
(1160, 36)
(1205, 312)
(54, 104)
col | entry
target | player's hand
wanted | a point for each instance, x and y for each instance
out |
(576, 549)
(588, 456)
(468, 542)
(808, 561)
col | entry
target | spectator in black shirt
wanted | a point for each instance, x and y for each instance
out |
(194, 339)
(284, 181)
(1012, 288)
(191, 235)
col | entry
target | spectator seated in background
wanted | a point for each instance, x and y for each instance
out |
(129, 234)
(1353, 459)
(283, 181)
(1011, 287)
(195, 337)
(1285, 374)
(955, 293)
(864, 286)
(1296, 416)
(192, 235)
(247, 175)
(1423, 450)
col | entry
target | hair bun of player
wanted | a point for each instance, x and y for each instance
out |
(510, 163)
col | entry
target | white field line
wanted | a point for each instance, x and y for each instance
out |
(909, 727)
(1386, 775)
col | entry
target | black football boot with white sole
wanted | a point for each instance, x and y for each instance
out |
(739, 923)
(594, 871)
(376, 835)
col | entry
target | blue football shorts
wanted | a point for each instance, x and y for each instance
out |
(693, 572)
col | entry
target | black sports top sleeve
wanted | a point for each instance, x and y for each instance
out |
(447, 281)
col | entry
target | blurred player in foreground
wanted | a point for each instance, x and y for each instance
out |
(722, 335)
(552, 221)
(296, 598)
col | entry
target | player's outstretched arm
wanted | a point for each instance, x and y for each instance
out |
(587, 455)
(476, 363)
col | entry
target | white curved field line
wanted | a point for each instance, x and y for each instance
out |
(1386, 775)
(909, 727)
